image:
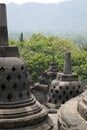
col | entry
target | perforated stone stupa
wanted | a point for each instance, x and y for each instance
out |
(19, 110)
(41, 88)
(65, 86)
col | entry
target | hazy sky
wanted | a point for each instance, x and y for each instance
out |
(24, 1)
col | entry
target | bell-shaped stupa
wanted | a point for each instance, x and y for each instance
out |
(19, 110)
(65, 86)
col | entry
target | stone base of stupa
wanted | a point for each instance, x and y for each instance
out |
(28, 116)
(45, 125)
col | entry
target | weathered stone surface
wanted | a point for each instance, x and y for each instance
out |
(41, 96)
(52, 70)
(65, 86)
(3, 26)
(45, 125)
(71, 115)
(11, 51)
(67, 64)
(54, 118)
(19, 110)
(41, 88)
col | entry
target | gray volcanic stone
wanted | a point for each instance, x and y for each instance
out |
(67, 64)
(72, 115)
(3, 26)
(19, 110)
(41, 88)
(65, 86)
(52, 70)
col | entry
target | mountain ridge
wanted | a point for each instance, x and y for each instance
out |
(66, 18)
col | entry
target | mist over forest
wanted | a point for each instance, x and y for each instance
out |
(66, 19)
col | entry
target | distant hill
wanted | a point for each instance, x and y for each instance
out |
(65, 18)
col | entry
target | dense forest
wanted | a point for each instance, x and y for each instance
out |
(39, 49)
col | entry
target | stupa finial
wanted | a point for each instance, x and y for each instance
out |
(67, 63)
(3, 26)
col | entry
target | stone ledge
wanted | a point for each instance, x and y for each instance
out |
(6, 51)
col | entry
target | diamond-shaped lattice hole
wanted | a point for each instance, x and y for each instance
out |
(73, 87)
(67, 87)
(9, 97)
(20, 95)
(2, 69)
(77, 91)
(8, 77)
(19, 77)
(13, 69)
(63, 101)
(22, 68)
(79, 86)
(60, 87)
(15, 86)
(55, 101)
(54, 86)
(3, 87)
(57, 91)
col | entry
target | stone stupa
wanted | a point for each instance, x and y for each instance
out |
(41, 88)
(52, 70)
(65, 86)
(19, 110)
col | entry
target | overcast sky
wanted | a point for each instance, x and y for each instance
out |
(24, 1)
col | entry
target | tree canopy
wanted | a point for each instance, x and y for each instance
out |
(38, 51)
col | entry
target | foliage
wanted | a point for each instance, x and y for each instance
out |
(38, 51)
(79, 63)
(80, 40)
(21, 37)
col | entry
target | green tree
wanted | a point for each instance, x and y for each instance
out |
(21, 37)
(38, 52)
